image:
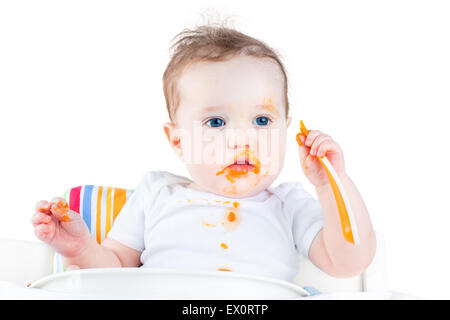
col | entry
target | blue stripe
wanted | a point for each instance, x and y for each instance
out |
(87, 205)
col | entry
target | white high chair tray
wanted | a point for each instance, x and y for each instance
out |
(142, 283)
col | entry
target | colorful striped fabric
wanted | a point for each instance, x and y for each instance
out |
(99, 207)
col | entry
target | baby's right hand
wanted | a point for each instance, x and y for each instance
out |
(59, 227)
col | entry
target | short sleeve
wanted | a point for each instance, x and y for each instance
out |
(306, 213)
(129, 226)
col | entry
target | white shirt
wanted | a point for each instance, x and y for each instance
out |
(177, 227)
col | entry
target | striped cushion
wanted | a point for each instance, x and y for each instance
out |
(99, 207)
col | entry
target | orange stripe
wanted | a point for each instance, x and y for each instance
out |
(99, 215)
(108, 210)
(120, 197)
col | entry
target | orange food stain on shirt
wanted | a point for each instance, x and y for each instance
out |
(231, 219)
(224, 269)
(223, 245)
(206, 224)
(236, 204)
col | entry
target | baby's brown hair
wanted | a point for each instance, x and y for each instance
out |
(211, 43)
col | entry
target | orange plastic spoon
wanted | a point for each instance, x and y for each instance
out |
(345, 213)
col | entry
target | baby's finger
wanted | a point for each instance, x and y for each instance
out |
(324, 147)
(56, 200)
(44, 232)
(312, 135)
(60, 209)
(40, 218)
(43, 206)
(328, 147)
(317, 142)
(303, 150)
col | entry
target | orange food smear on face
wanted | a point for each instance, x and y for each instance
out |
(269, 105)
(231, 174)
(223, 245)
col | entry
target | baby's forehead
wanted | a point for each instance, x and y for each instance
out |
(249, 82)
(238, 67)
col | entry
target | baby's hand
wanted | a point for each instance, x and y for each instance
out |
(315, 144)
(59, 227)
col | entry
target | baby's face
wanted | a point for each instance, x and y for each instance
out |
(230, 126)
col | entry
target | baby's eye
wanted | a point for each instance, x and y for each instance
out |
(262, 121)
(215, 122)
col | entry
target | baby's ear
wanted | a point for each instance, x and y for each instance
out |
(173, 137)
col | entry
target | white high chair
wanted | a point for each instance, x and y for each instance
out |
(25, 261)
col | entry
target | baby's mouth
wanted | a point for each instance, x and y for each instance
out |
(242, 165)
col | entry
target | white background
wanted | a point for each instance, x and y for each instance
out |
(82, 103)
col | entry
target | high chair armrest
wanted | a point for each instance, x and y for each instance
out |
(24, 260)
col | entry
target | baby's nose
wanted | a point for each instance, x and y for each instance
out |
(238, 139)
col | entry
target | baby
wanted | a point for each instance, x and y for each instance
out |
(227, 100)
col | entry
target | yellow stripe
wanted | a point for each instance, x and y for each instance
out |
(108, 210)
(99, 215)
(120, 197)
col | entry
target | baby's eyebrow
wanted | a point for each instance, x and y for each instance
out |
(211, 108)
(265, 106)
(269, 107)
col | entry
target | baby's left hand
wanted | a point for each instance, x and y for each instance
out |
(317, 144)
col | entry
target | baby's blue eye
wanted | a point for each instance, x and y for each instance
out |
(215, 122)
(262, 121)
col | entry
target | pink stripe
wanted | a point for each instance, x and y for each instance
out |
(74, 199)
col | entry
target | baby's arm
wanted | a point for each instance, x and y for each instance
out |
(66, 232)
(330, 251)
(110, 254)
